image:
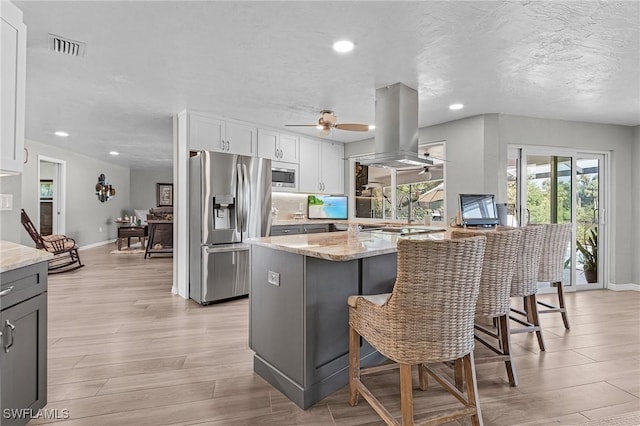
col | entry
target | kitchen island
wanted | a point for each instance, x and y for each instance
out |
(298, 306)
(23, 318)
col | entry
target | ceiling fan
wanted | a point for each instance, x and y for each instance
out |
(328, 121)
(436, 163)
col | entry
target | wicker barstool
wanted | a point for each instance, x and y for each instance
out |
(428, 318)
(493, 299)
(525, 281)
(554, 249)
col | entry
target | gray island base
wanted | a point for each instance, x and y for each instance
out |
(299, 327)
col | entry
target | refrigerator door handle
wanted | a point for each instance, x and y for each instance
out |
(246, 198)
(239, 200)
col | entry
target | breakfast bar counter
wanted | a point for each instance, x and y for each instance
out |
(298, 306)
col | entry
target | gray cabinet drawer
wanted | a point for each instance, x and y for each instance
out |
(22, 283)
(286, 230)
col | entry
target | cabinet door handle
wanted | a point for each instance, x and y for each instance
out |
(227, 146)
(11, 328)
(281, 154)
(6, 291)
(222, 144)
(286, 231)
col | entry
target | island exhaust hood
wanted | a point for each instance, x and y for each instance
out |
(396, 139)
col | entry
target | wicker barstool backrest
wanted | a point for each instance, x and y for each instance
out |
(525, 276)
(554, 250)
(430, 314)
(499, 263)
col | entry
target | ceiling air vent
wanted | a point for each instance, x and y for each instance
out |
(66, 46)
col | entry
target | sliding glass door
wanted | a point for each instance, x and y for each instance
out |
(547, 186)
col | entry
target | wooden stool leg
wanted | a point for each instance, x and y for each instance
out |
(423, 377)
(354, 365)
(563, 310)
(533, 318)
(406, 395)
(472, 388)
(457, 373)
(505, 346)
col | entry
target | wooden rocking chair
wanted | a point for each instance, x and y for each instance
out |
(64, 249)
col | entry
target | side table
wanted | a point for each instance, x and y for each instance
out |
(128, 231)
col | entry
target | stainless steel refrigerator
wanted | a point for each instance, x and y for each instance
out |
(229, 202)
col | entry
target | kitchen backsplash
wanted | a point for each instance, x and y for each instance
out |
(287, 205)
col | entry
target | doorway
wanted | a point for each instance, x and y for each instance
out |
(51, 195)
(556, 186)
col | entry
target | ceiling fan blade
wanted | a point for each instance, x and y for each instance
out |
(353, 127)
(301, 125)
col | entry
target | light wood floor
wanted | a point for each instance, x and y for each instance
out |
(124, 351)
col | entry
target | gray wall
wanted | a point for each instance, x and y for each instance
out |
(10, 226)
(85, 214)
(618, 140)
(635, 203)
(143, 186)
(476, 151)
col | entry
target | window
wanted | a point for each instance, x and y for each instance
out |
(409, 194)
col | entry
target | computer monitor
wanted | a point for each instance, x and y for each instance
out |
(478, 210)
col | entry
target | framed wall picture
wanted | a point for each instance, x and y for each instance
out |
(164, 194)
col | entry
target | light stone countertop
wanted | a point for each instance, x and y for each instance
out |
(338, 246)
(14, 256)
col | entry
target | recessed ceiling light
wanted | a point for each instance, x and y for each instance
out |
(456, 106)
(114, 153)
(371, 127)
(343, 46)
(63, 134)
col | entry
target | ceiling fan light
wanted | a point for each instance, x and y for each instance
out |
(343, 46)
(372, 127)
(319, 127)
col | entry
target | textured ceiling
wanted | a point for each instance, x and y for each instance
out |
(272, 63)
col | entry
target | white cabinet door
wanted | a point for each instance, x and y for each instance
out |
(288, 148)
(241, 139)
(213, 134)
(13, 38)
(332, 168)
(206, 133)
(310, 150)
(268, 144)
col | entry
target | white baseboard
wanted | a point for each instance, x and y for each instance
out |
(623, 287)
(98, 244)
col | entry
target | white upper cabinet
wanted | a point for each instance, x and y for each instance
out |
(13, 53)
(332, 168)
(278, 146)
(213, 134)
(321, 166)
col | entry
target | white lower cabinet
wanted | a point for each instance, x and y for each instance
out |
(321, 166)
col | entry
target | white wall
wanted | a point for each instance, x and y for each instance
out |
(143, 186)
(635, 204)
(85, 214)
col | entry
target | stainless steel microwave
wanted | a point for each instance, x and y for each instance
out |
(284, 176)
